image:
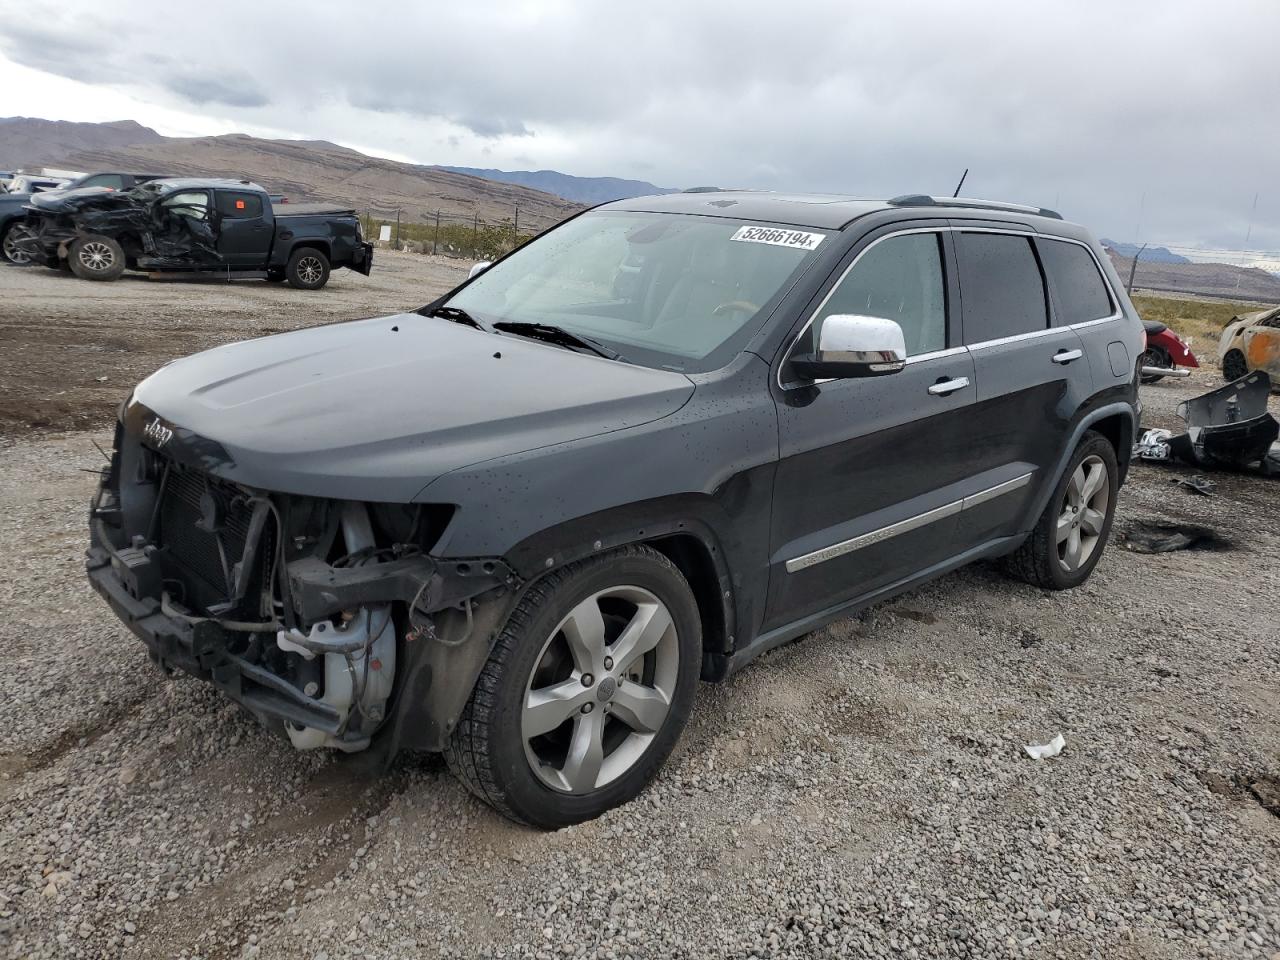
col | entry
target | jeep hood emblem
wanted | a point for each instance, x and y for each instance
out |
(157, 432)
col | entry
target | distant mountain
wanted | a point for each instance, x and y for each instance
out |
(300, 169)
(32, 142)
(585, 190)
(1149, 255)
(1206, 279)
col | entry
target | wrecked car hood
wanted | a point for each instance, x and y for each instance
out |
(85, 198)
(376, 409)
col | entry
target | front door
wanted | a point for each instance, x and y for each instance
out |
(866, 491)
(244, 235)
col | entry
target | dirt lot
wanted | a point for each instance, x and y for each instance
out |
(71, 355)
(863, 792)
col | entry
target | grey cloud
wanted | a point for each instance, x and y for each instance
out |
(1165, 108)
(231, 91)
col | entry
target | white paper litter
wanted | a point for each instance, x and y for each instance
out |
(1041, 751)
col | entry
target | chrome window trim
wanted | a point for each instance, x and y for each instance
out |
(950, 351)
(844, 547)
(1015, 338)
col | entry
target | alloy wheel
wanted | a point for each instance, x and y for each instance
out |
(96, 256)
(600, 689)
(310, 269)
(12, 251)
(1084, 513)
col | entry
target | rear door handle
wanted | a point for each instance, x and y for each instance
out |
(1066, 356)
(944, 387)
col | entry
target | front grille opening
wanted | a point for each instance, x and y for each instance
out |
(202, 528)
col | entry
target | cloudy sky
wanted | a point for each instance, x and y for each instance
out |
(1151, 121)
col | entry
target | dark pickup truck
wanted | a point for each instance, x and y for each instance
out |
(179, 226)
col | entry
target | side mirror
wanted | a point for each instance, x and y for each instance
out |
(479, 268)
(854, 346)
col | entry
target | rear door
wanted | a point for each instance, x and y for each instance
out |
(244, 234)
(1032, 378)
(865, 490)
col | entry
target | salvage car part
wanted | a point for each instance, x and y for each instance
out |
(1229, 427)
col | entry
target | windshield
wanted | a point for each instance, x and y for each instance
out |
(675, 291)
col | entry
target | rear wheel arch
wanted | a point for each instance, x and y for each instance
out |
(321, 245)
(1117, 428)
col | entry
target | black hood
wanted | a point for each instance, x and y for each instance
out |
(84, 198)
(376, 409)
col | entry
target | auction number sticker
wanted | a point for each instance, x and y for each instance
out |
(779, 238)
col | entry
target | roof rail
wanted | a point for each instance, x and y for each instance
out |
(923, 200)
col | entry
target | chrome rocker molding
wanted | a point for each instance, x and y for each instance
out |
(905, 526)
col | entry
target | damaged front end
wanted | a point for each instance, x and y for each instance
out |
(152, 237)
(327, 619)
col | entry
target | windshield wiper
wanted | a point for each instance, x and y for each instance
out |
(458, 315)
(550, 333)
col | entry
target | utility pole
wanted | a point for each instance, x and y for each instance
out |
(1253, 210)
(515, 230)
(1133, 268)
(397, 228)
(475, 236)
(436, 241)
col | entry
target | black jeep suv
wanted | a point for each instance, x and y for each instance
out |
(520, 524)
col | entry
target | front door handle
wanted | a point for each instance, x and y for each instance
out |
(944, 387)
(1066, 356)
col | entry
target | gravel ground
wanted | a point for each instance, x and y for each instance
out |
(863, 792)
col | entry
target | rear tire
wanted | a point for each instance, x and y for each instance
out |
(556, 732)
(1071, 534)
(308, 269)
(1234, 366)
(96, 257)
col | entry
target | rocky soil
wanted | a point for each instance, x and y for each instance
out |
(862, 792)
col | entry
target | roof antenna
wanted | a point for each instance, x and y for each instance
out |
(961, 183)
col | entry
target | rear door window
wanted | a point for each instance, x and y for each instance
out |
(1001, 288)
(239, 206)
(1078, 287)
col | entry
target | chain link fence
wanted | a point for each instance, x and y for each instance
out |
(447, 234)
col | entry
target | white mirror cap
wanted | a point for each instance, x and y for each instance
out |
(852, 338)
(479, 268)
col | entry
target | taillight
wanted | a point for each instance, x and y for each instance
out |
(1144, 339)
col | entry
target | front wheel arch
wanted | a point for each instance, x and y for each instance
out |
(671, 527)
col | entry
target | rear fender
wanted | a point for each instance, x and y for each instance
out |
(1179, 350)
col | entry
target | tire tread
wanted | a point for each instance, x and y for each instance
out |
(467, 752)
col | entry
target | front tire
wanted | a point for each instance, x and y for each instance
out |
(9, 245)
(1071, 534)
(585, 692)
(308, 269)
(1234, 366)
(96, 257)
